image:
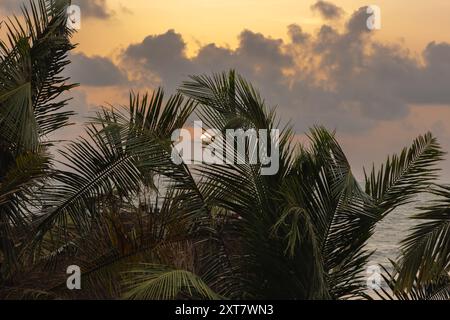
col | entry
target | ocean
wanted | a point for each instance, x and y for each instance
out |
(388, 235)
(393, 229)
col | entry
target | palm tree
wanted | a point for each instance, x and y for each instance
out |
(144, 227)
(31, 61)
(300, 234)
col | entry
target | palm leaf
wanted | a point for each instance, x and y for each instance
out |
(406, 175)
(437, 289)
(31, 81)
(153, 282)
(426, 251)
(256, 266)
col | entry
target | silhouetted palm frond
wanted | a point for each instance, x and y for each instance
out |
(406, 175)
(426, 251)
(153, 282)
(436, 289)
(32, 59)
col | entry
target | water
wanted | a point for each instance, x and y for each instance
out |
(393, 229)
(390, 232)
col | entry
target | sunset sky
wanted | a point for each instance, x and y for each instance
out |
(316, 62)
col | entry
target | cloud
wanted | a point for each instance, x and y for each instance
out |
(89, 8)
(94, 71)
(343, 79)
(9, 6)
(161, 55)
(296, 34)
(125, 9)
(327, 10)
(432, 83)
(94, 8)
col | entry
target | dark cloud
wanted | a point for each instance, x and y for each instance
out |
(327, 10)
(94, 8)
(296, 34)
(94, 71)
(89, 8)
(9, 6)
(161, 55)
(432, 84)
(357, 24)
(343, 79)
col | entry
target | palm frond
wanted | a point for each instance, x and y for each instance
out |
(437, 289)
(32, 61)
(18, 186)
(406, 175)
(118, 154)
(342, 214)
(153, 282)
(25, 173)
(426, 251)
(257, 265)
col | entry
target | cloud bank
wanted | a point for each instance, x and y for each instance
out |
(343, 79)
(377, 96)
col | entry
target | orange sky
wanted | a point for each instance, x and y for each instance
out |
(220, 21)
(412, 24)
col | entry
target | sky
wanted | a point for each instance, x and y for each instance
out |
(315, 61)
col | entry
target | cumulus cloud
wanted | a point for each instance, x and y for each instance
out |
(162, 55)
(327, 10)
(343, 79)
(94, 71)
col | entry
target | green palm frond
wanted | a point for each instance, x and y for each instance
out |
(125, 233)
(150, 114)
(323, 185)
(18, 187)
(257, 264)
(426, 251)
(149, 119)
(154, 282)
(32, 61)
(118, 154)
(228, 100)
(436, 289)
(406, 175)
(96, 167)
(23, 175)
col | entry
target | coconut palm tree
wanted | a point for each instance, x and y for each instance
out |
(31, 60)
(299, 234)
(142, 226)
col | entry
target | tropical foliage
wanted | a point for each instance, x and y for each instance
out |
(141, 226)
